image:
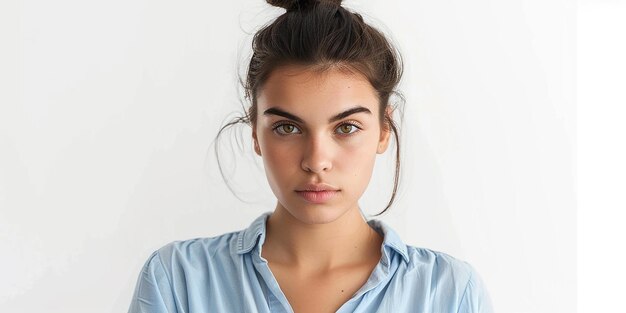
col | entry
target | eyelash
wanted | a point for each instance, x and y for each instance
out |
(356, 125)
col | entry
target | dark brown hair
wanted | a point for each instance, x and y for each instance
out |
(321, 35)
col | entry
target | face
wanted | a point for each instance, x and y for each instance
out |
(318, 130)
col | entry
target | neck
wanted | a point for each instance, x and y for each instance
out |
(344, 241)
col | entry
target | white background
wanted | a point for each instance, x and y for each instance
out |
(108, 110)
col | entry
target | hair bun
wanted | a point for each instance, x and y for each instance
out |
(290, 5)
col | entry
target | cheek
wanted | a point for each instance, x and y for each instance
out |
(279, 163)
(357, 160)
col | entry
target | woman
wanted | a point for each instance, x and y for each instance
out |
(319, 82)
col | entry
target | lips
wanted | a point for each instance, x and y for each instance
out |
(317, 197)
(317, 193)
(317, 187)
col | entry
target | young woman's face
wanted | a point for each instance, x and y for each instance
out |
(318, 129)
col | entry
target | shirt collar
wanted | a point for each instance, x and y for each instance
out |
(249, 237)
(254, 235)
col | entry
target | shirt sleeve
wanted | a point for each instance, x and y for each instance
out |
(475, 298)
(153, 292)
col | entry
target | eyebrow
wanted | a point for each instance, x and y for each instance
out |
(279, 112)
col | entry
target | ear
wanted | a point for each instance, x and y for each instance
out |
(255, 141)
(385, 132)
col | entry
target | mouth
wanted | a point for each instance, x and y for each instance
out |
(317, 192)
(317, 197)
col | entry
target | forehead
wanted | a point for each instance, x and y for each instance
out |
(298, 88)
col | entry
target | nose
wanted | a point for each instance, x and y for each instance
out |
(317, 155)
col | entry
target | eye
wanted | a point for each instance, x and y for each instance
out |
(286, 128)
(348, 128)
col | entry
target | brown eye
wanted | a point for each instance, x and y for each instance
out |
(347, 129)
(285, 129)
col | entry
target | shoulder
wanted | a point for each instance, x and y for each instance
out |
(195, 252)
(448, 278)
(439, 262)
(201, 245)
(176, 273)
(204, 257)
(426, 272)
(441, 269)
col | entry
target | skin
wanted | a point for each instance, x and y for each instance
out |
(322, 253)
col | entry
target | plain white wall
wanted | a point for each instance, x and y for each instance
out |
(600, 155)
(109, 109)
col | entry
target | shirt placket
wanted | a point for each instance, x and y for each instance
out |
(276, 299)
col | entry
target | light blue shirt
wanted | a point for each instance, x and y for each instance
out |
(227, 274)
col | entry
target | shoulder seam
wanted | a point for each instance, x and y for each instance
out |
(469, 280)
(169, 280)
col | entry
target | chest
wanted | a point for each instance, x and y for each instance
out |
(321, 292)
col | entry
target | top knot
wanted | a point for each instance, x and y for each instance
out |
(291, 5)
